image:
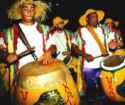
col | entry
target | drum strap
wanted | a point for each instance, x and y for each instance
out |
(68, 44)
(83, 47)
(26, 43)
(95, 36)
(68, 40)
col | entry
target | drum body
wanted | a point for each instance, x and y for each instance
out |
(112, 75)
(74, 65)
(119, 52)
(51, 84)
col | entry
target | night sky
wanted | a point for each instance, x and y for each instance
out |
(73, 9)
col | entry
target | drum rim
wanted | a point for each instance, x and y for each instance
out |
(122, 65)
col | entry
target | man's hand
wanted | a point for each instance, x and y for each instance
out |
(89, 57)
(75, 50)
(11, 58)
(52, 49)
(113, 44)
(104, 55)
(46, 58)
(67, 53)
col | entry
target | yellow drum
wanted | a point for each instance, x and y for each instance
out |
(51, 84)
(119, 52)
(74, 65)
(112, 75)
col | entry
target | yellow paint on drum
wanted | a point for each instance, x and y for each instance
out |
(35, 79)
(119, 52)
(110, 81)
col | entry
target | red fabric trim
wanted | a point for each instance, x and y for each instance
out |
(16, 35)
(83, 48)
(2, 34)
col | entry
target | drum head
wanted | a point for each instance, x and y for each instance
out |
(113, 62)
(37, 68)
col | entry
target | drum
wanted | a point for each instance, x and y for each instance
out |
(74, 65)
(50, 84)
(119, 52)
(112, 75)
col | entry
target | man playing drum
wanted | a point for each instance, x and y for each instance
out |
(27, 34)
(66, 50)
(114, 33)
(95, 48)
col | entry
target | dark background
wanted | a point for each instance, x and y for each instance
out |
(73, 9)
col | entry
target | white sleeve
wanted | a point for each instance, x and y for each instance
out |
(2, 43)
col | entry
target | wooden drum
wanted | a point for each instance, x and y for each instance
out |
(112, 75)
(52, 84)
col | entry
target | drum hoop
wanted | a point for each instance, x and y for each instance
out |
(122, 65)
(114, 70)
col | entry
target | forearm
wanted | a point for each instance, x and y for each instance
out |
(76, 51)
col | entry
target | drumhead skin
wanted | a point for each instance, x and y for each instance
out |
(113, 63)
(49, 82)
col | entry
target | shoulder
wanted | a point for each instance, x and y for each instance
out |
(12, 27)
(42, 27)
(68, 31)
(83, 29)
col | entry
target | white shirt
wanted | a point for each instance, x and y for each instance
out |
(34, 38)
(58, 39)
(91, 46)
(2, 43)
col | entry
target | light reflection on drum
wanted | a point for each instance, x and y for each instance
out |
(51, 84)
(112, 75)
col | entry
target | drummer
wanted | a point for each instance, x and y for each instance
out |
(60, 37)
(112, 31)
(64, 41)
(25, 35)
(95, 49)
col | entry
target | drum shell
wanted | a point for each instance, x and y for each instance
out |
(110, 81)
(109, 84)
(54, 76)
(119, 52)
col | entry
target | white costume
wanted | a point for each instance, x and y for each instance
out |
(91, 46)
(59, 39)
(35, 40)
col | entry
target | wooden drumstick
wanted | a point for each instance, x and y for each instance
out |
(21, 55)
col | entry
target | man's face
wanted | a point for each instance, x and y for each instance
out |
(28, 12)
(92, 19)
(109, 25)
(61, 24)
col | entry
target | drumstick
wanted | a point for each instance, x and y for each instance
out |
(21, 55)
(101, 56)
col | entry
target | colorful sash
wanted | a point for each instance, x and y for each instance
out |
(95, 36)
